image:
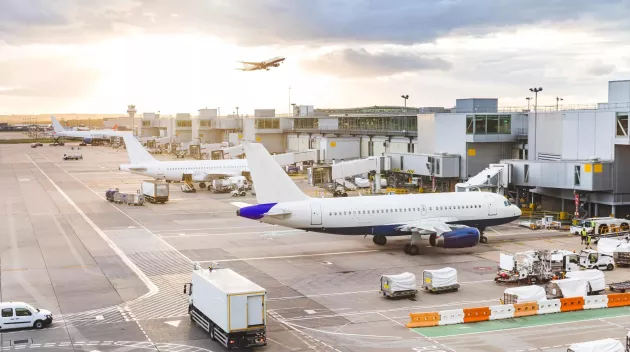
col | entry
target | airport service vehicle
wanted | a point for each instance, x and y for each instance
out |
(231, 308)
(400, 285)
(618, 248)
(535, 266)
(155, 191)
(74, 156)
(109, 194)
(56, 144)
(605, 345)
(523, 294)
(238, 193)
(33, 145)
(15, 315)
(221, 186)
(620, 286)
(440, 280)
(448, 220)
(596, 279)
(602, 226)
(592, 259)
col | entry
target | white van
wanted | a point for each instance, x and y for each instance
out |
(16, 315)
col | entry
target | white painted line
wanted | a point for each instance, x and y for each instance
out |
(309, 311)
(289, 256)
(215, 228)
(228, 234)
(152, 288)
(341, 333)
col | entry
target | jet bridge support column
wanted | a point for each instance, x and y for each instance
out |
(377, 182)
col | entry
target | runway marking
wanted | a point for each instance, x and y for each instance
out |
(215, 228)
(179, 235)
(288, 256)
(152, 288)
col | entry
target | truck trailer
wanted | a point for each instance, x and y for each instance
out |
(155, 191)
(231, 308)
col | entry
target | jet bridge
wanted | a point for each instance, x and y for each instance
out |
(297, 157)
(495, 178)
(338, 171)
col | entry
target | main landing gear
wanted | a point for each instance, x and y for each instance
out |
(379, 240)
(412, 248)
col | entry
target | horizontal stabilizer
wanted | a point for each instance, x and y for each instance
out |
(240, 204)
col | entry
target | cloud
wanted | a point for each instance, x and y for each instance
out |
(278, 22)
(45, 77)
(361, 63)
(599, 68)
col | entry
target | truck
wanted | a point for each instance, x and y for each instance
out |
(602, 226)
(618, 248)
(155, 191)
(221, 186)
(535, 266)
(229, 307)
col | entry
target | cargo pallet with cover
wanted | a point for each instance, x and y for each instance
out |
(229, 307)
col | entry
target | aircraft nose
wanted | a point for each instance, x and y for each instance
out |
(517, 211)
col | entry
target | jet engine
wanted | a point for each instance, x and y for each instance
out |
(458, 238)
(87, 140)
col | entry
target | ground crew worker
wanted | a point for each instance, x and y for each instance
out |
(593, 225)
(583, 235)
(588, 241)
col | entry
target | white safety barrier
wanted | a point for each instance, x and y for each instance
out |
(549, 306)
(595, 302)
(504, 311)
(450, 317)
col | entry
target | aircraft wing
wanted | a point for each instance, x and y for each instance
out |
(251, 63)
(209, 176)
(436, 225)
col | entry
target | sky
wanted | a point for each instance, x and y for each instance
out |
(98, 56)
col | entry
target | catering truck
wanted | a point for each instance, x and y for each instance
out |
(229, 307)
(155, 191)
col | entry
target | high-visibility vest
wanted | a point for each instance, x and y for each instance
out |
(588, 240)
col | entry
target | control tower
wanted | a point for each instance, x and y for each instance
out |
(131, 110)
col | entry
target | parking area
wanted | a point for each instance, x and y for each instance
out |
(113, 274)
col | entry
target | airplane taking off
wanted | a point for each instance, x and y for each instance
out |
(263, 65)
(202, 171)
(448, 220)
(87, 136)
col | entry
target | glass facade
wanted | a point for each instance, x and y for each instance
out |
(622, 124)
(184, 123)
(489, 124)
(146, 123)
(306, 122)
(379, 123)
(205, 123)
(267, 123)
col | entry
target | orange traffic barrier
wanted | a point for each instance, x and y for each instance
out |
(420, 320)
(525, 309)
(571, 304)
(618, 300)
(472, 315)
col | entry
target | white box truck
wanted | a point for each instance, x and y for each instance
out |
(231, 308)
(155, 191)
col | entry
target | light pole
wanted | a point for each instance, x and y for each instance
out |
(535, 91)
(558, 99)
(237, 111)
(405, 97)
(528, 101)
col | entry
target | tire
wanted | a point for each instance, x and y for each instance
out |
(38, 324)
(413, 249)
(483, 239)
(610, 267)
(406, 248)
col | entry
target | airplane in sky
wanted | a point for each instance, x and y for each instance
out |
(87, 136)
(447, 220)
(202, 171)
(263, 65)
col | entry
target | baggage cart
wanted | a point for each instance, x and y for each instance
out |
(401, 285)
(135, 199)
(441, 280)
(622, 287)
(120, 198)
(607, 345)
(109, 194)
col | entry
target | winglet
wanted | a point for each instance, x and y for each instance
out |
(272, 184)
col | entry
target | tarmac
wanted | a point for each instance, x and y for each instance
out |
(113, 275)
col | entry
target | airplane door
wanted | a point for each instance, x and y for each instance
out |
(492, 206)
(160, 173)
(316, 214)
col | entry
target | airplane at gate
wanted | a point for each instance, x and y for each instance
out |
(448, 220)
(59, 132)
(143, 163)
(263, 65)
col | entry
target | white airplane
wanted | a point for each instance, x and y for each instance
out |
(202, 171)
(448, 220)
(263, 65)
(87, 136)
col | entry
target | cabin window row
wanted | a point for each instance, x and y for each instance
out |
(202, 168)
(401, 210)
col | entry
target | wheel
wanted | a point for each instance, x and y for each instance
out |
(379, 240)
(610, 267)
(406, 248)
(344, 194)
(38, 324)
(483, 239)
(413, 249)
(202, 185)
